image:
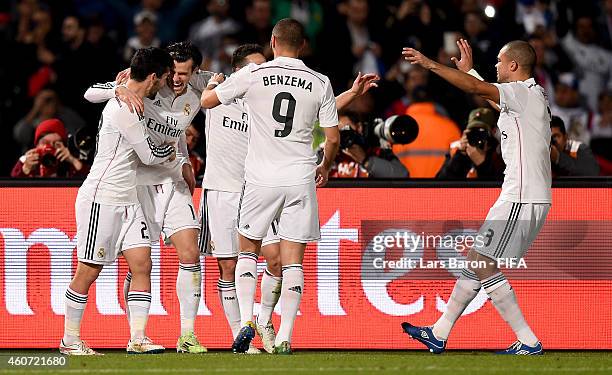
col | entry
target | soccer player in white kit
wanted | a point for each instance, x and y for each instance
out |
(516, 218)
(165, 191)
(285, 98)
(226, 150)
(109, 218)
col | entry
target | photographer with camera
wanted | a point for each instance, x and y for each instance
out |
(362, 155)
(50, 157)
(475, 155)
(569, 157)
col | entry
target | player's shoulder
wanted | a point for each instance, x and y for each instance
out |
(116, 110)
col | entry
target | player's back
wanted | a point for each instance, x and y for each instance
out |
(285, 100)
(112, 178)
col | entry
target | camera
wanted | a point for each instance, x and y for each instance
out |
(82, 143)
(397, 129)
(477, 137)
(349, 137)
(46, 155)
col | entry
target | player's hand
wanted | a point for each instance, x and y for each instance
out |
(189, 177)
(218, 78)
(364, 82)
(133, 101)
(415, 57)
(465, 62)
(122, 76)
(321, 175)
(31, 161)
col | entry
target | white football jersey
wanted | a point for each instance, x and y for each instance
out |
(226, 147)
(122, 144)
(285, 98)
(524, 124)
(166, 117)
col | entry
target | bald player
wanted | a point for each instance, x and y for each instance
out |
(514, 221)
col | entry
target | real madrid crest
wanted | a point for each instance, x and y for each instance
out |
(101, 252)
(187, 109)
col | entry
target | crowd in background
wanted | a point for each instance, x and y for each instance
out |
(54, 50)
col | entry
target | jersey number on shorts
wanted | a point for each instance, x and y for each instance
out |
(286, 119)
(143, 231)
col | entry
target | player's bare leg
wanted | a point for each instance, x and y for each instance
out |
(292, 256)
(188, 287)
(504, 299)
(270, 293)
(139, 300)
(75, 301)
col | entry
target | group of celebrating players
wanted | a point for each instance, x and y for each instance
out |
(259, 186)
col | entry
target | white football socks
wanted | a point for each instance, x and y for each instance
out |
(188, 290)
(139, 304)
(466, 289)
(229, 301)
(246, 284)
(75, 306)
(504, 300)
(291, 295)
(270, 293)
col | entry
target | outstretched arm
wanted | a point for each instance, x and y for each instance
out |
(455, 77)
(361, 85)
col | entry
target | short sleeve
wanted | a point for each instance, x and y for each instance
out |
(512, 96)
(235, 86)
(200, 79)
(328, 113)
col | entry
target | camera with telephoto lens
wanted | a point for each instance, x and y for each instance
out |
(397, 129)
(477, 137)
(82, 143)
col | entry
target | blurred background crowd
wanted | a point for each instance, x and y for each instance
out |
(54, 50)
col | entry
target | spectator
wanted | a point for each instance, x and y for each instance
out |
(472, 157)
(568, 156)
(567, 106)
(308, 12)
(601, 133)
(50, 157)
(193, 135)
(357, 158)
(146, 28)
(208, 35)
(46, 106)
(259, 25)
(414, 77)
(425, 156)
(594, 63)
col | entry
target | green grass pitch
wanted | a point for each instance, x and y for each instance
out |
(332, 362)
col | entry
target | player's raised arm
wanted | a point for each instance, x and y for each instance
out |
(455, 77)
(103, 92)
(361, 85)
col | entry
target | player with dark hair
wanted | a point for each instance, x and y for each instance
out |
(109, 218)
(516, 218)
(165, 191)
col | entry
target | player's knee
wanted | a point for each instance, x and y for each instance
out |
(143, 267)
(86, 275)
(227, 269)
(189, 255)
(274, 266)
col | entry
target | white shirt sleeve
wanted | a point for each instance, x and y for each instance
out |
(182, 152)
(132, 128)
(513, 96)
(100, 92)
(328, 113)
(200, 79)
(235, 86)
